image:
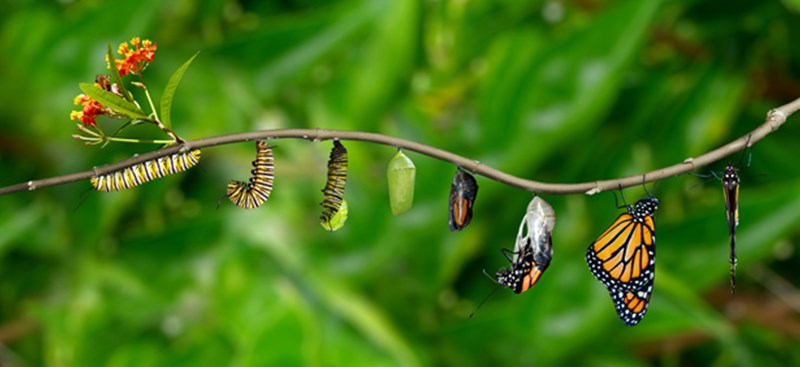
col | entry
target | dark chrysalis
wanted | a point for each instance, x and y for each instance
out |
(462, 196)
(334, 208)
(730, 188)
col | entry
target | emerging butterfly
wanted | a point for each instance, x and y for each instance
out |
(533, 251)
(462, 196)
(623, 258)
(730, 188)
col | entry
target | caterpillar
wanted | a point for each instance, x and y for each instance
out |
(252, 194)
(334, 187)
(146, 171)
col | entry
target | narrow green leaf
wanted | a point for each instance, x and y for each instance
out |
(113, 101)
(115, 74)
(169, 92)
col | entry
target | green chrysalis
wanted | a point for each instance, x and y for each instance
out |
(338, 218)
(400, 174)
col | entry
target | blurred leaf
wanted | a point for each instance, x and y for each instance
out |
(387, 55)
(708, 110)
(793, 5)
(566, 87)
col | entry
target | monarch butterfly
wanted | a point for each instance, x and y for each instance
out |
(730, 188)
(533, 251)
(623, 258)
(334, 187)
(252, 194)
(146, 171)
(462, 196)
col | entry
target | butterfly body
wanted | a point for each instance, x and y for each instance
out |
(730, 189)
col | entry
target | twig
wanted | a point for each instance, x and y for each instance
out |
(775, 118)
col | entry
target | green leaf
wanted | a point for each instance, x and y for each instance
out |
(116, 76)
(169, 92)
(113, 101)
(563, 89)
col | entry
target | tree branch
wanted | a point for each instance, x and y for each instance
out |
(775, 118)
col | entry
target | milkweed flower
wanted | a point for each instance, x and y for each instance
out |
(137, 56)
(91, 109)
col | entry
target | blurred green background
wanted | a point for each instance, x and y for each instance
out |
(558, 91)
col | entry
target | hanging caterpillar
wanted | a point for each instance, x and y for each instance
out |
(334, 188)
(145, 171)
(252, 194)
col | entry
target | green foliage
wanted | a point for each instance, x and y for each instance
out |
(116, 103)
(169, 92)
(554, 91)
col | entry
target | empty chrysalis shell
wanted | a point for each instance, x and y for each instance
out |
(540, 219)
(337, 220)
(533, 249)
(401, 174)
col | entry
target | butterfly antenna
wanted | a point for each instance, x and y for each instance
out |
(484, 298)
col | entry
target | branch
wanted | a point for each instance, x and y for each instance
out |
(775, 118)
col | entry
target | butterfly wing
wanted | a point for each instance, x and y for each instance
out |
(631, 305)
(623, 257)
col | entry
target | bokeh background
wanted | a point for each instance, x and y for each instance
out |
(558, 91)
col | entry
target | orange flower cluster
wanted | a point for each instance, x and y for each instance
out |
(91, 109)
(136, 58)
